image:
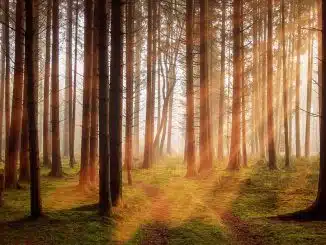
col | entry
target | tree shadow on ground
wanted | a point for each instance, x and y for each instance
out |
(191, 232)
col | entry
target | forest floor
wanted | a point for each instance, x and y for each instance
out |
(163, 207)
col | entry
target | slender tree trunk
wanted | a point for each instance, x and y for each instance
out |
(24, 170)
(270, 119)
(46, 132)
(88, 71)
(17, 101)
(285, 89)
(190, 130)
(56, 169)
(205, 161)
(68, 90)
(234, 160)
(36, 206)
(297, 85)
(129, 87)
(115, 116)
(148, 154)
(94, 104)
(2, 86)
(104, 149)
(73, 120)
(169, 129)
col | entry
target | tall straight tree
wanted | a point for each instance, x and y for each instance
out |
(220, 146)
(94, 104)
(17, 101)
(46, 145)
(129, 87)
(234, 159)
(88, 71)
(297, 84)
(205, 160)
(36, 207)
(190, 129)
(285, 89)
(56, 169)
(2, 87)
(104, 160)
(68, 89)
(270, 118)
(115, 115)
(148, 149)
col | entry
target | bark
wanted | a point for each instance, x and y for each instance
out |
(234, 160)
(94, 103)
(17, 101)
(104, 150)
(270, 119)
(36, 206)
(56, 169)
(2, 86)
(129, 88)
(285, 90)
(115, 116)
(220, 148)
(148, 148)
(46, 131)
(88, 69)
(190, 130)
(297, 85)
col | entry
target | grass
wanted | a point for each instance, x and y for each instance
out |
(163, 207)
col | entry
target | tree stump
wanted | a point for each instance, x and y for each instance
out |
(2, 188)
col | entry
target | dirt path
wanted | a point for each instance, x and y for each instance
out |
(240, 230)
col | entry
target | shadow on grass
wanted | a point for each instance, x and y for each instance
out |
(192, 232)
(72, 226)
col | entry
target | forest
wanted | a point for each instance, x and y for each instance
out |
(182, 122)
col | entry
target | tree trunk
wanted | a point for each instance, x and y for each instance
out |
(190, 130)
(36, 207)
(285, 89)
(94, 103)
(104, 150)
(115, 116)
(46, 131)
(270, 119)
(148, 153)
(56, 169)
(129, 87)
(2, 87)
(297, 85)
(17, 101)
(88, 71)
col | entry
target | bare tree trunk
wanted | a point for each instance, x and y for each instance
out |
(104, 149)
(285, 89)
(36, 206)
(56, 169)
(17, 101)
(297, 85)
(115, 116)
(2, 86)
(129, 87)
(88, 69)
(190, 130)
(46, 132)
(270, 119)
(148, 153)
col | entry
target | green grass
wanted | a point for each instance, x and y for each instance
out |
(163, 207)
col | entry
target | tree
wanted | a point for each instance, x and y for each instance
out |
(36, 207)
(129, 87)
(56, 169)
(285, 89)
(297, 85)
(88, 69)
(104, 149)
(270, 118)
(234, 159)
(46, 145)
(17, 101)
(148, 149)
(115, 108)
(205, 160)
(190, 130)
